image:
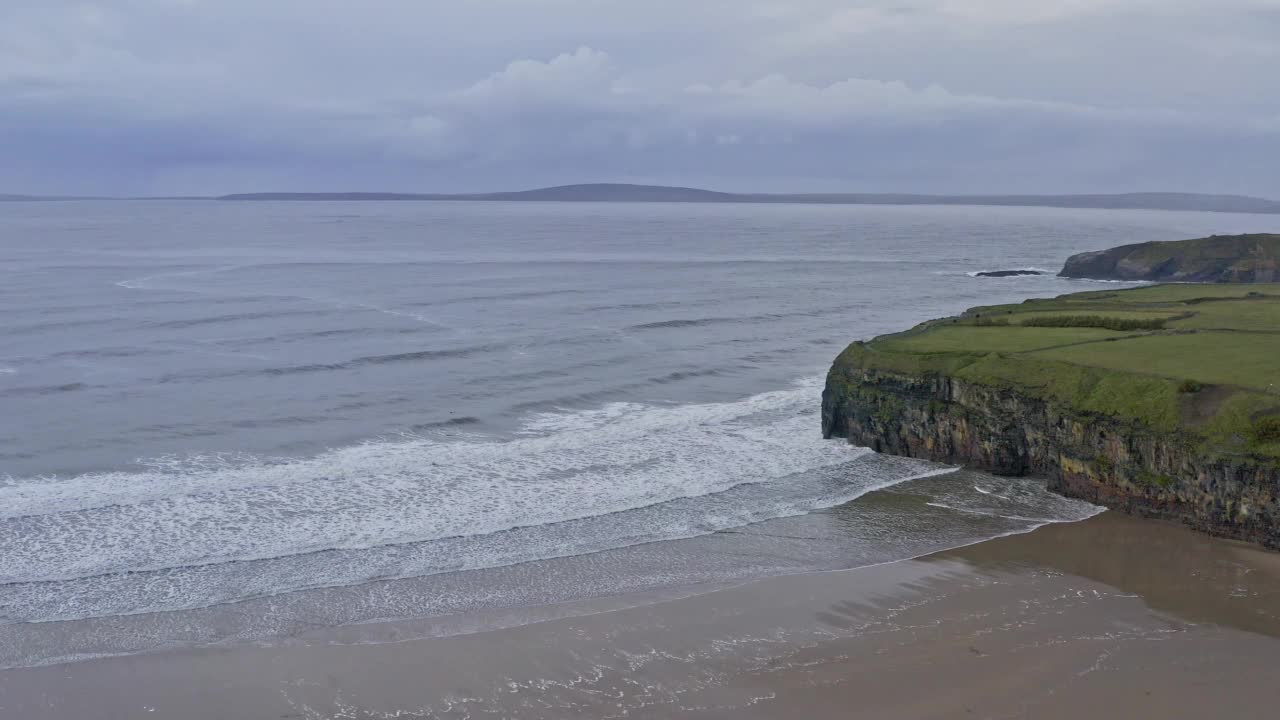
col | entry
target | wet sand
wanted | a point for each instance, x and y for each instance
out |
(1110, 617)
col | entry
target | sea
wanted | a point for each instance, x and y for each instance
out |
(239, 422)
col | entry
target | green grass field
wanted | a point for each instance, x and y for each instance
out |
(1212, 366)
(1233, 315)
(969, 338)
(1024, 318)
(1247, 360)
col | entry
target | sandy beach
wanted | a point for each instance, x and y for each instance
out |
(1110, 617)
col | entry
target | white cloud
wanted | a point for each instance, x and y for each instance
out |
(567, 77)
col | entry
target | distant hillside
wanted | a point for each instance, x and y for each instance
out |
(1220, 258)
(38, 198)
(69, 198)
(606, 192)
(337, 196)
(562, 193)
(615, 192)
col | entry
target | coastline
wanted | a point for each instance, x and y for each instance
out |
(1119, 398)
(1183, 624)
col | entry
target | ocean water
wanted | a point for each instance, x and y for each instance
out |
(226, 422)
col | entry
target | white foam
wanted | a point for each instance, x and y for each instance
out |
(1122, 282)
(564, 467)
(1011, 499)
(569, 483)
(143, 283)
(204, 585)
(1043, 272)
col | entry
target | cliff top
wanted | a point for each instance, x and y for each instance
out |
(1219, 258)
(1202, 358)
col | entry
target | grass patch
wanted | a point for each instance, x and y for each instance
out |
(1267, 430)
(1250, 314)
(1190, 386)
(1175, 293)
(1106, 322)
(988, 339)
(1213, 370)
(1249, 360)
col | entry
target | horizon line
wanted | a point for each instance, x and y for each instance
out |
(634, 192)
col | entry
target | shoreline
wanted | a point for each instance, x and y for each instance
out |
(921, 513)
(1040, 607)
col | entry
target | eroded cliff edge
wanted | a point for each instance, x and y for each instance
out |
(1157, 402)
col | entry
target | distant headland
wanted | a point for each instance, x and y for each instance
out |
(617, 192)
(1220, 258)
(614, 192)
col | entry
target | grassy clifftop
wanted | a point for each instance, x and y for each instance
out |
(1203, 361)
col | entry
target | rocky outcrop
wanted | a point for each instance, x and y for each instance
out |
(1006, 273)
(1220, 258)
(1102, 459)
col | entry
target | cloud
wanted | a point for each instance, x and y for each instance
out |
(570, 77)
(193, 96)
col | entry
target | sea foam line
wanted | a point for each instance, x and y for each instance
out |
(1043, 272)
(571, 466)
(185, 588)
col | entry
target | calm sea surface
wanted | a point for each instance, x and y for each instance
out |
(227, 422)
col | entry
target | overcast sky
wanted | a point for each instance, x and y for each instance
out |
(211, 96)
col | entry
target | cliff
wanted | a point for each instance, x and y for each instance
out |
(1220, 258)
(1158, 401)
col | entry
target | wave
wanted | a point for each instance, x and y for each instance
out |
(747, 319)
(44, 327)
(415, 356)
(142, 283)
(190, 587)
(419, 355)
(678, 376)
(517, 295)
(308, 368)
(665, 324)
(1038, 521)
(592, 458)
(193, 531)
(1122, 282)
(1009, 499)
(43, 390)
(147, 283)
(444, 424)
(235, 317)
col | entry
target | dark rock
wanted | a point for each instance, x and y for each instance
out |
(1007, 273)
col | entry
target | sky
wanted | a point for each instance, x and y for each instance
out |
(176, 97)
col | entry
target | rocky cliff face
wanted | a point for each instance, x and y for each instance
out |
(1096, 458)
(1221, 258)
